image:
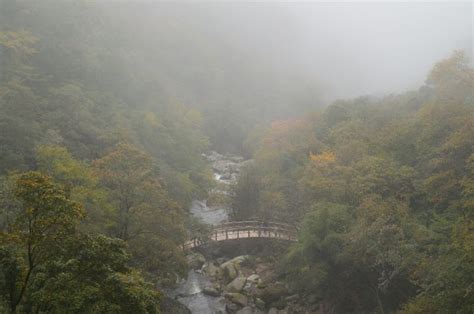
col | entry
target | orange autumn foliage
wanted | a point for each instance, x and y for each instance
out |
(325, 156)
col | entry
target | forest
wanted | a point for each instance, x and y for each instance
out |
(103, 131)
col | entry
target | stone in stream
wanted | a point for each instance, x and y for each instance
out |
(236, 261)
(292, 298)
(246, 310)
(231, 308)
(213, 292)
(226, 176)
(253, 278)
(169, 305)
(237, 298)
(259, 303)
(232, 267)
(229, 271)
(220, 166)
(273, 293)
(195, 260)
(213, 271)
(237, 284)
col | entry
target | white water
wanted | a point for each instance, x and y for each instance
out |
(190, 294)
(190, 291)
(212, 216)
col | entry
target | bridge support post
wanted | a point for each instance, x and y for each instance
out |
(226, 235)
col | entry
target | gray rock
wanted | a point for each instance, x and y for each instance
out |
(253, 278)
(231, 308)
(220, 166)
(312, 299)
(213, 292)
(273, 293)
(232, 267)
(236, 261)
(195, 260)
(169, 305)
(237, 284)
(245, 310)
(212, 271)
(226, 176)
(237, 298)
(236, 158)
(292, 298)
(273, 311)
(229, 271)
(260, 304)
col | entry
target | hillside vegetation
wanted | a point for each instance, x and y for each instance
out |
(383, 192)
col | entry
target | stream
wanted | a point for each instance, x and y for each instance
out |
(226, 170)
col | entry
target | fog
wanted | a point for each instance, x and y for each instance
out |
(334, 50)
(236, 157)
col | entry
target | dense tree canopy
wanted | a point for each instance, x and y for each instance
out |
(382, 189)
(102, 136)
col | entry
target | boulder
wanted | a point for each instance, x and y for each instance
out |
(280, 304)
(169, 305)
(236, 261)
(225, 176)
(237, 284)
(260, 304)
(272, 293)
(213, 292)
(236, 158)
(273, 311)
(292, 298)
(231, 308)
(253, 278)
(230, 271)
(220, 166)
(233, 167)
(221, 260)
(237, 298)
(232, 266)
(212, 271)
(195, 260)
(245, 310)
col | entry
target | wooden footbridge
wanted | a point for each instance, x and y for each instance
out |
(245, 230)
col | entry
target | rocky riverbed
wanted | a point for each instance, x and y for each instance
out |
(191, 290)
(247, 284)
(220, 282)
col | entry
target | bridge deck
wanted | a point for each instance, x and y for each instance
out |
(245, 230)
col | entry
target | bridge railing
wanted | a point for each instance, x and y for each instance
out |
(254, 223)
(246, 229)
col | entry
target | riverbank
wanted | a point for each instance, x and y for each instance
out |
(248, 283)
(236, 277)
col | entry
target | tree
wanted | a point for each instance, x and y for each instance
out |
(145, 216)
(48, 266)
(82, 182)
(47, 216)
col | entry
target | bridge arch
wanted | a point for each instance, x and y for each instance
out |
(245, 230)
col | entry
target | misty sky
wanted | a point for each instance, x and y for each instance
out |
(334, 50)
(353, 48)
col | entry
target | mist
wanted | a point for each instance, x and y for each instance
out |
(236, 157)
(335, 50)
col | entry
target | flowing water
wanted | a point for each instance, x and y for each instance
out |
(189, 292)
